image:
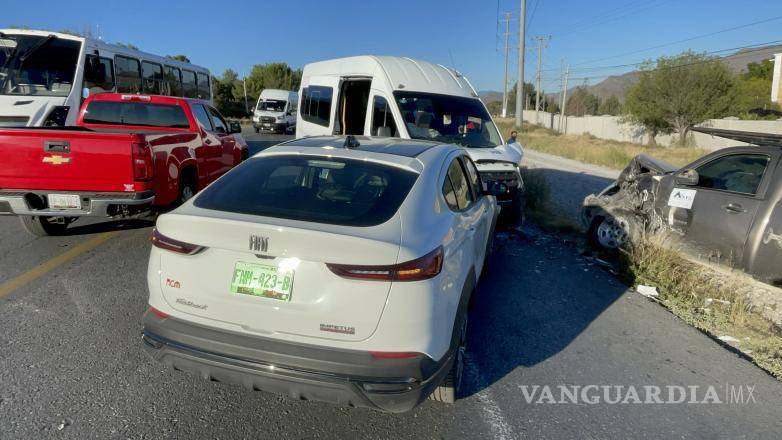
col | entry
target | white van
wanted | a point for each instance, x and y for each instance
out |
(400, 97)
(275, 111)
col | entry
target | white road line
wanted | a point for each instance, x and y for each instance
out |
(492, 413)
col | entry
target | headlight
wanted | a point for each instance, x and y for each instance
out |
(281, 118)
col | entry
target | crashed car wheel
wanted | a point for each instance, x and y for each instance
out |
(611, 232)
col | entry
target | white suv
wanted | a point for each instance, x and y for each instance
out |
(327, 268)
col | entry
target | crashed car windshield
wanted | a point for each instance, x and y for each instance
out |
(443, 118)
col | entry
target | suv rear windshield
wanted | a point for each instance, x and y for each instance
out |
(135, 113)
(311, 188)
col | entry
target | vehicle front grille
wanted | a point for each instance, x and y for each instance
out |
(267, 119)
(13, 121)
(500, 176)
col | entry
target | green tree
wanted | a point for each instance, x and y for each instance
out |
(128, 45)
(529, 90)
(272, 76)
(754, 90)
(678, 92)
(581, 103)
(226, 98)
(180, 57)
(609, 106)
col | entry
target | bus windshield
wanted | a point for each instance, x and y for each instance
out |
(452, 119)
(271, 105)
(37, 65)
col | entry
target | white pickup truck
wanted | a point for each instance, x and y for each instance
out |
(385, 96)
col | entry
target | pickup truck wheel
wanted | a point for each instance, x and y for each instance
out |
(44, 226)
(187, 189)
(612, 231)
(448, 390)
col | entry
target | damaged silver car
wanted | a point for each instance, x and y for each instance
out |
(724, 206)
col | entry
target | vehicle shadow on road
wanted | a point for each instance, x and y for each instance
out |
(537, 296)
(109, 226)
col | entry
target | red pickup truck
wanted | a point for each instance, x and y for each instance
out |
(126, 155)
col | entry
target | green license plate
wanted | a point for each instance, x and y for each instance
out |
(262, 280)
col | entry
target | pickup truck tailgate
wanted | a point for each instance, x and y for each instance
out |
(65, 160)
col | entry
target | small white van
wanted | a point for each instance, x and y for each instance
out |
(275, 111)
(386, 96)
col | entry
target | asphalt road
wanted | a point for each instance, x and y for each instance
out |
(72, 367)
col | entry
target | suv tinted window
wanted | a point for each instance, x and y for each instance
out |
(739, 173)
(135, 113)
(316, 105)
(128, 74)
(383, 124)
(311, 188)
(460, 186)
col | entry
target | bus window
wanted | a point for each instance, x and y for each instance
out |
(153, 78)
(98, 74)
(189, 84)
(128, 74)
(173, 81)
(203, 86)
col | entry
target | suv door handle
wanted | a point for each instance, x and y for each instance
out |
(734, 207)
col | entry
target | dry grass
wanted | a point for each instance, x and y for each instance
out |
(589, 149)
(710, 302)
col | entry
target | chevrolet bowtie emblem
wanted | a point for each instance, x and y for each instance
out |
(56, 159)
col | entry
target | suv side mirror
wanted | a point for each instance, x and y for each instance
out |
(494, 188)
(688, 177)
(234, 127)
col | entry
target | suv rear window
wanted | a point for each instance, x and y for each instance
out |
(311, 188)
(135, 113)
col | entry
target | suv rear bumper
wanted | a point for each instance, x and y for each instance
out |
(307, 372)
(94, 204)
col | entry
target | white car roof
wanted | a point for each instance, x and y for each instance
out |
(406, 153)
(402, 73)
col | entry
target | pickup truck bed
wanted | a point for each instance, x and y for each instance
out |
(127, 154)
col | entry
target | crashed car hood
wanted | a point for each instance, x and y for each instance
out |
(645, 164)
(497, 158)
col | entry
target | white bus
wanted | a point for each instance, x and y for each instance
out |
(44, 76)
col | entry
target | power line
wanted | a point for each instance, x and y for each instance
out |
(752, 48)
(612, 17)
(682, 41)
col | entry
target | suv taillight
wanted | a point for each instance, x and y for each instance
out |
(143, 163)
(422, 268)
(161, 241)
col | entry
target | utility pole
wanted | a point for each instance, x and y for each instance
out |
(561, 80)
(541, 41)
(520, 76)
(505, 78)
(562, 117)
(244, 87)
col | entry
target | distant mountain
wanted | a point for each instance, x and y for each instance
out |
(490, 95)
(615, 85)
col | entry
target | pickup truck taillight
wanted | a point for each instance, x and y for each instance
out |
(143, 163)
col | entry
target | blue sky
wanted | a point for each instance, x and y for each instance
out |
(462, 33)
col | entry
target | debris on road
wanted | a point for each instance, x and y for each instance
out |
(647, 291)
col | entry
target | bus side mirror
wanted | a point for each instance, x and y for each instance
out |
(85, 93)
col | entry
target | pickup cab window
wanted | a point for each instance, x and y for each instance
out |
(739, 173)
(135, 113)
(217, 121)
(203, 117)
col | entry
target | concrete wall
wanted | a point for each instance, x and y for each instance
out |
(610, 127)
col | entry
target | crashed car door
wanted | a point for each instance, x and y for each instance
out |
(715, 215)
